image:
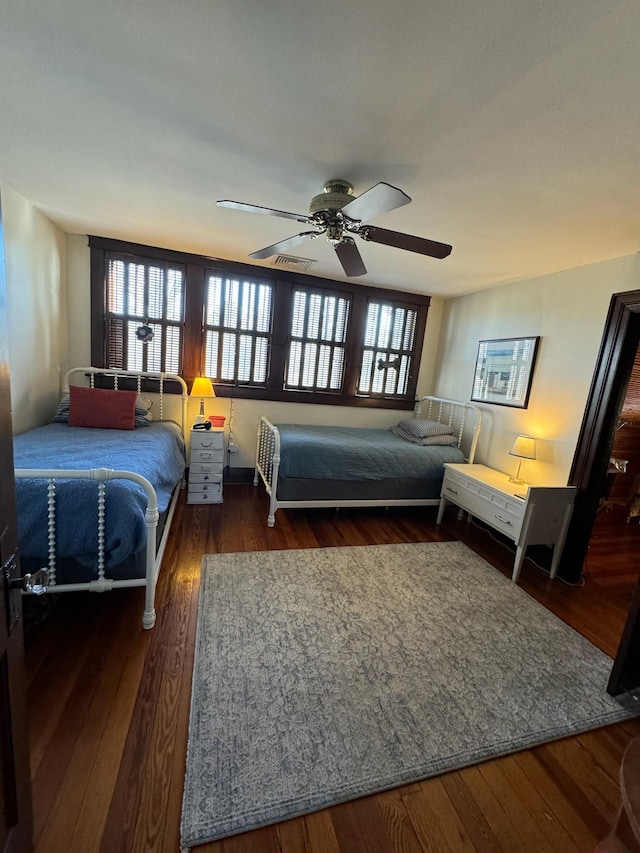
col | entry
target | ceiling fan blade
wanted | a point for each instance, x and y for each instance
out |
(379, 199)
(405, 241)
(269, 211)
(349, 257)
(283, 245)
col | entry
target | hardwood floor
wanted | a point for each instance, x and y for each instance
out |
(109, 708)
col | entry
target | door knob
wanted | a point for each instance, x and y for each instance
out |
(35, 583)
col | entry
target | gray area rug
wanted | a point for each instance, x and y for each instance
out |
(323, 675)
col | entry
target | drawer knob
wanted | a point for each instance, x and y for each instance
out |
(504, 520)
(453, 491)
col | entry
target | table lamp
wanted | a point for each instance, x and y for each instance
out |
(524, 447)
(202, 388)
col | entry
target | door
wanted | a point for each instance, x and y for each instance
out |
(15, 784)
(614, 366)
(593, 452)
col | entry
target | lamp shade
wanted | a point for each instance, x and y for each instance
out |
(524, 446)
(202, 387)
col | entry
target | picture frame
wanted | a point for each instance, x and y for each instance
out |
(504, 371)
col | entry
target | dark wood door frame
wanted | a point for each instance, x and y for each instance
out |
(16, 818)
(608, 388)
(620, 342)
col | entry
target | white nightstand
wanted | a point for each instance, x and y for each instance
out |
(206, 460)
(528, 515)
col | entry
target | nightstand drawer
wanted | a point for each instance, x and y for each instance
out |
(206, 440)
(206, 455)
(203, 477)
(205, 468)
(495, 512)
(476, 489)
(205, 488)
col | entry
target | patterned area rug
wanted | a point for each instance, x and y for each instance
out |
(326, 674)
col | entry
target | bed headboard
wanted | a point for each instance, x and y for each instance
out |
(465, 420)
(134, 380)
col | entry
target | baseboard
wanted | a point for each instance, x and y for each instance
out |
(238, 476)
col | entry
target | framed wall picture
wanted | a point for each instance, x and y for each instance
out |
(504, 370)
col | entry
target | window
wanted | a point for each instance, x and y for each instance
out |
(141, 294)
(317, 340)
(257, 333)
(387, 351)
(237, 331)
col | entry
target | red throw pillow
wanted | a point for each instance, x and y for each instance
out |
(101, 408)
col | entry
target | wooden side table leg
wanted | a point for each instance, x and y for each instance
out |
(517, 563)
(559, 545)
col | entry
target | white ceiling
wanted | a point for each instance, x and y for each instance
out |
(513, 125)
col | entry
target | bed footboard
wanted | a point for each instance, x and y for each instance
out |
(268, 463)
(102, 583)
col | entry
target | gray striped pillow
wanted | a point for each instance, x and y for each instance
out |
(442, 440)
(419, 428)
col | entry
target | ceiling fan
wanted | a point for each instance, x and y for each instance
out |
(338, 214)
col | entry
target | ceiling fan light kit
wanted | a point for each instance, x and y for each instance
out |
(334, 196)
(337, 214)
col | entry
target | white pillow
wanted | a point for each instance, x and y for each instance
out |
(422, 428)
(143, 408)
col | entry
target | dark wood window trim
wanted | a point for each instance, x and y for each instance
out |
(198, 266)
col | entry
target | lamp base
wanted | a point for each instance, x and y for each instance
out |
(199, 419)
(516, 481)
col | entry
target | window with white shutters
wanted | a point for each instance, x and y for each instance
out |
(237, 330)
(387, 349)
(317, 340)
(139, 295)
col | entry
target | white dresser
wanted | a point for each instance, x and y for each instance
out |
(206, 460)
(528, 515)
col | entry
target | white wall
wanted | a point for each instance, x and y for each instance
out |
(241, 415)
(36, 309)
(568, 311)
(79, 302)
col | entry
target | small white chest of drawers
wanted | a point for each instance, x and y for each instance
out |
(528, 515)
(206, 460)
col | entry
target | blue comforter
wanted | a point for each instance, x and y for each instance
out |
(156, 452)
(355, 453)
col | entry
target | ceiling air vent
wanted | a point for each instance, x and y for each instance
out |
(292, 263)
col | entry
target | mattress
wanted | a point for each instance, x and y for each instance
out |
(156, 452)
(354, 454)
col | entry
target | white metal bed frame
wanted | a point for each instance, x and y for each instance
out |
(154, 550)
(465, 419)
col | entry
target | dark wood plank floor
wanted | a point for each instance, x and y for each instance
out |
(109, 707)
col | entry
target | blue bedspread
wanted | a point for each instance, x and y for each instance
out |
(156, 452)
(355, 453)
